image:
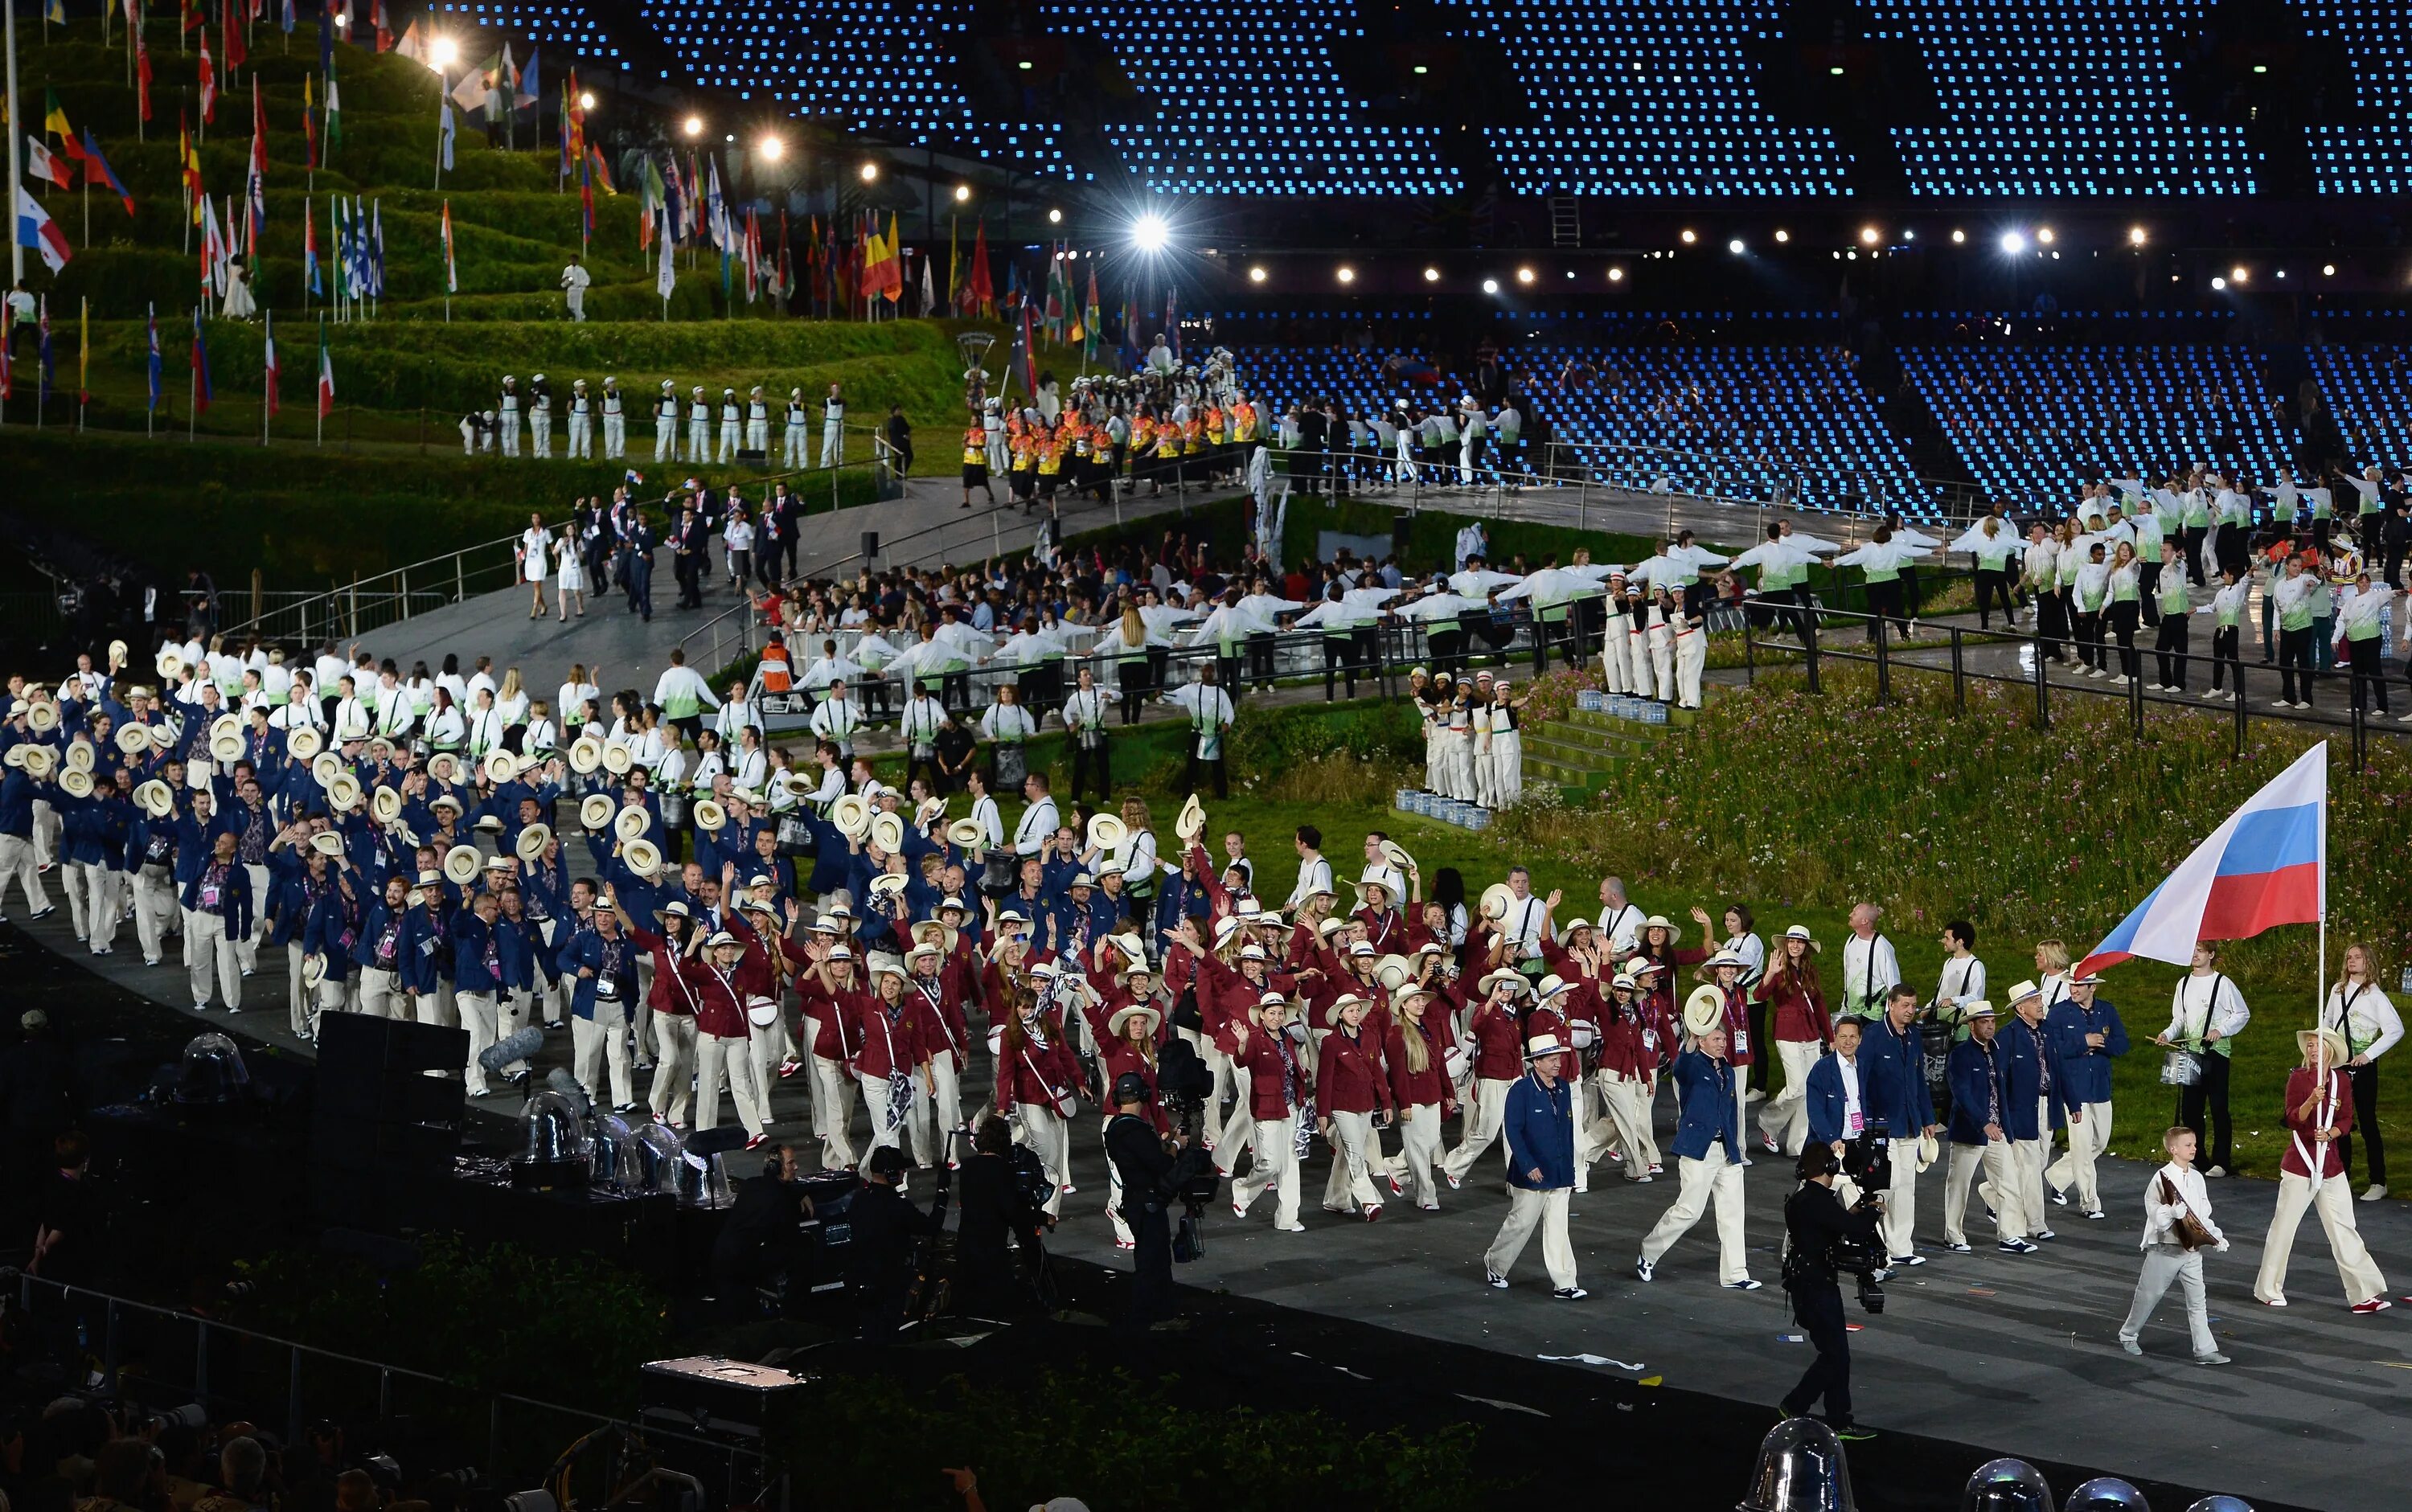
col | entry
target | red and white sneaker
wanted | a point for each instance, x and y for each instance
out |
(2376, 1304)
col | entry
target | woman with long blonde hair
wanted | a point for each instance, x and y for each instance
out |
(1416, 1051)
(2360, 1010)
(1036, 1077)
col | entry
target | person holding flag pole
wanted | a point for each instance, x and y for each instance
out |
(2266, 865)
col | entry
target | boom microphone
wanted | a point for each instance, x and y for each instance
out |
(559, 1080)
(519, 1047)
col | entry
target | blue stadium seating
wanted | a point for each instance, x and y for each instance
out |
(2059, 99)
(1654, 100)
(2373, 158)
(572, 27)
(2030, 420)
(2368, 388)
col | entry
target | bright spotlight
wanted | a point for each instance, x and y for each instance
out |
(1054, 217)
(2239, 273)
(1870, 236)
(2136, 236)
(1908, 235)
(2013, 243)
(1256, 274)
(963, 194)
(2219, 283)
(1346, 274)
(1959, 237)
(1431, 275)
(1616, 275)
(1688, 237)
(1523, 276)
(2044, 236)
(2328, 269)
(1782, 236)
(1736, 247)
(1149, 234)
(586, 99)
(443, 53)
(772, 149)
(1491, 286)
(870, 172)
(693, 126)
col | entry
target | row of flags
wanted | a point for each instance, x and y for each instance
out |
(203, 393)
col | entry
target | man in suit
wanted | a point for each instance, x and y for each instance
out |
(690, 542)
(636, 545)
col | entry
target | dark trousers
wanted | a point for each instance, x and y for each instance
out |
(2368, 675)
(2227, 659)
(2365, 1125)
(1091, 760)
(2207, 1100)
(1151, 1267)
(1884, 603)
(2052, 623)
(1805, 610)
(1991, 586)
(1761, 1051)
(2148, 579)
(1447, 649)
(1261, 659)
(1198, 764)
(2190, 538)
(1339, 652)
(2170, 644)
(926, 768)
(688, 567)
(2122, 617)
(2089, 639)
(1817, 1305)
(1131, 677)
(2294, 651)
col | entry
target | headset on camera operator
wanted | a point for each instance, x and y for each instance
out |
(883, 1255)
(1823, 1238)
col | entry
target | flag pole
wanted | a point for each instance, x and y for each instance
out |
(192, 403)
(318, 399)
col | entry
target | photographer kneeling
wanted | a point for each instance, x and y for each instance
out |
(1815, 1226)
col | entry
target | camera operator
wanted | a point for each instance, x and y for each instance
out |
(1814, 1224)
(996, 1202)
(880, 1257)
(753, 1244)
(1143, 1161)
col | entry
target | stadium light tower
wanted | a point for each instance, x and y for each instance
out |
(443, 53)
(1149, 233)
(2013, 242)
(693, 126)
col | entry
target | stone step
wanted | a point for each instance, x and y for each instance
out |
(1584, 777)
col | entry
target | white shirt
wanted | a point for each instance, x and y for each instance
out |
(1086, 708)
(836, 720)
(1314, 877)
(2161, 1219)
(1008, 722)
(1869, 971)
(574, 696)
(1962, 982)
(1621, 928)
(2364, 1013)
(921, 720)
(1523, 925)
(2209, 999)
(1855, 1120)
(1039, 822)
(991, 819)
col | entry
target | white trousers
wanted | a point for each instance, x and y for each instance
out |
(596, 1042)
(1480, 1124)
(540, 432)
(1350, 1185)
(102, 906)
(298, 1003)
(1611, 653)
(2334, 1203)
(381, 995)
(211, 953)
(834, 1112)
(794, 448)
(758, 436)
(510, 422)
(1662, 663)
(72, 883)
(1785, 1117)
(258, 916)
(581, 436)
(946, 1105)
(675, 1067)
(2163, 1264)
(1274, 1168)
(1239, 1128)
(698, 440)
(477, 1016)
(2074, 1171)
(1691, 659)
(1548, 1210)
(1627, 1100)
(154, 909)
(1044, 1131)
(716, 1057)
(1418, 1146)
(1710, 1182)
(728, 435)
(832, 443)
(615, 436)
(914, 1123)
(665, 440)
(1899, 1224)
(2001, 1190)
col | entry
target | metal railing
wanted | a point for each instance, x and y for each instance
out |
(163, 1358)
(2032, 655)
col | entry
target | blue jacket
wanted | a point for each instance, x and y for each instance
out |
(1976, 1074)
(582, 962)
(1827, 1107)
(92, 830)
(1540, 1128)
(473, 939)
(426, 950)
(526, 963)
(2088, 1070)
(1712, 1111)
(17, 803)
(329, 929)
(2027, 1072)
(1901, 1097)
(374, 919)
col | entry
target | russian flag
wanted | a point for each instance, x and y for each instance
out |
(2267, 865)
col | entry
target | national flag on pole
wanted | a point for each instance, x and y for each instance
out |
(8, 339)
(1091, 319)
(55, 121)
(268, 358)
(191, 168)
(410, 46)
(152, 319)
(444, 130)
(310, 251)
(326, 375)
(42, 163)
(893, 287)
(1058, 296)
(526, 87)
(142, 70)
(310, 119)
(213, 254)
(288, 20)
(1172, 318)
(83, 352)
(2265, 866)
(376, 249)
(602, 169)
(334, 113)
(96, 166)
(36, 229)
(585, 197)
(666, 272)
(200, 366)
(230, 31)
(384, 29)
(980, 292)
(451, 273)
(209, 82)
(472, 92)
(928, 288)
(257, 172)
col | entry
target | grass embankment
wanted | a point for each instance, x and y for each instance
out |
(1801, 804)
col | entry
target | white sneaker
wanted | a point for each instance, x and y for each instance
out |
(2375, 1192)
(2213, 695)
(2281, 704)
(2119, 680)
